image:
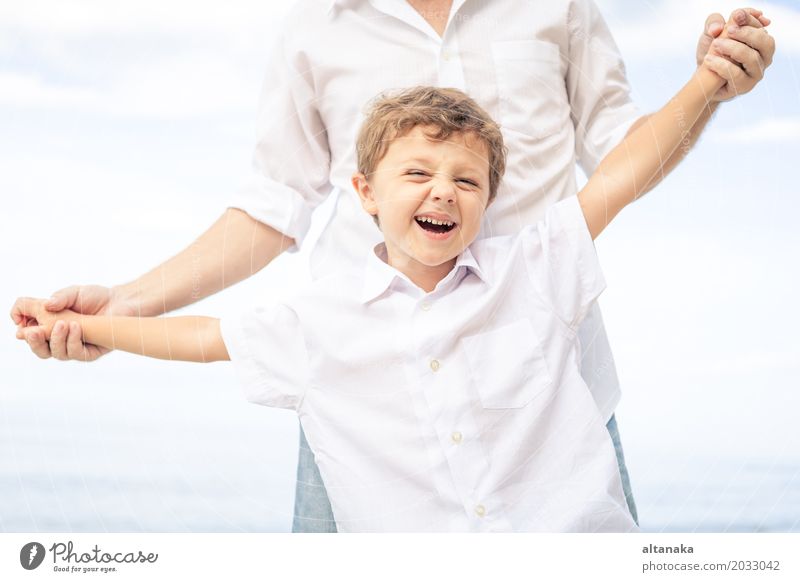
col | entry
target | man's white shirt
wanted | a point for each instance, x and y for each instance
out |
(549, 72)
(462, 409)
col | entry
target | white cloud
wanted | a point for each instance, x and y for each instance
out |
(771, 130)
(183, 86)
(162, 60)
(166, 86)
(92, 17)
(171, 88)
(30, 90)
(669, 27)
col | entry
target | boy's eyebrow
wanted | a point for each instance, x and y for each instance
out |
(418, 160)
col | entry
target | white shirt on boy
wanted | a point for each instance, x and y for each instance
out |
(462, 409)
(548, 72)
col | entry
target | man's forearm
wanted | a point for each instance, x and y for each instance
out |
(234, 248)
(188, 339)
(689, 141)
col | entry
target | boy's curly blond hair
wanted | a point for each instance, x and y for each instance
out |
(443, 111)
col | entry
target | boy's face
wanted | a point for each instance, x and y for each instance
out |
(420, 180)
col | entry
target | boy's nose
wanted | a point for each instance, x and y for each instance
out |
(444, 190)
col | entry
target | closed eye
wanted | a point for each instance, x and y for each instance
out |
(468, 182)
(416, 173)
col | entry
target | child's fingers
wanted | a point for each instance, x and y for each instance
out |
(745, 18)
(714, 25)
(24, 307)
(759, 15)
(18, 310)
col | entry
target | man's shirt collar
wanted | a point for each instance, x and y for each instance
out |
(341, 4)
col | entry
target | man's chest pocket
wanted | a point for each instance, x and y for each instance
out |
(530, 87)
(507, 365)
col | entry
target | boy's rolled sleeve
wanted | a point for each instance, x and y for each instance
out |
(562, 261)
(291, 161)
(597, 86)
(267, 349)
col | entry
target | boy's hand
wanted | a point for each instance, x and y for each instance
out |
(65, 341)
(29, 312)
(739, 56)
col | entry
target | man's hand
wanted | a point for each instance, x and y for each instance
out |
(741, 58)
(64, 340)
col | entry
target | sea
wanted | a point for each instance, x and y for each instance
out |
(112, 448)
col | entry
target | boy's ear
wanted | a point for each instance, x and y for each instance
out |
(365, 193)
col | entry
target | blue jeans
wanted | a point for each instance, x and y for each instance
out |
(312, 509)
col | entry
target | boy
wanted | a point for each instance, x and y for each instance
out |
(441, 391)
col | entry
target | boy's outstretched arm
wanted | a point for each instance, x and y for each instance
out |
(188, 338)
(626, 171)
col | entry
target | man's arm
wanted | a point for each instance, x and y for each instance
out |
(235, 247)
(625, 172)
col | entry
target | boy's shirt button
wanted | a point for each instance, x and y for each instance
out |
(435, 365)
(480, 510)
(425, 306)
(456, 437)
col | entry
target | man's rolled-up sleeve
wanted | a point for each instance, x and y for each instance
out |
(597, 86)
(291, 162)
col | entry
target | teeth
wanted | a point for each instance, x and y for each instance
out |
(434, 221)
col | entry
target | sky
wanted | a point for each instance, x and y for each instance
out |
(127, 126)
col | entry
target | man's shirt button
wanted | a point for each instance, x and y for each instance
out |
(435, 365)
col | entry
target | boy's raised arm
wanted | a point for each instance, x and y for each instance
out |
(188, 338)
(624, 173)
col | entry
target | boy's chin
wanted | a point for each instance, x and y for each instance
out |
(435, 259)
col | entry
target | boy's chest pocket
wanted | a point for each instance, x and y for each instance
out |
(507, 365)
(531, 87)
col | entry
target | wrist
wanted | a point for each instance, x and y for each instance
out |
(709, 83)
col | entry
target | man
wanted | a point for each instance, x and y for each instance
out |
(549, 71)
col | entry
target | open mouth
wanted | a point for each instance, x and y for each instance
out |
(435, 226)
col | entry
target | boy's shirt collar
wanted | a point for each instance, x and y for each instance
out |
(379, 276)
(332, 4)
